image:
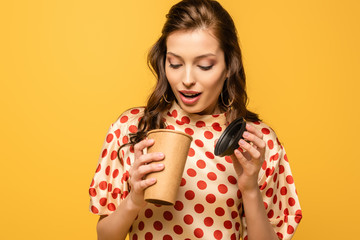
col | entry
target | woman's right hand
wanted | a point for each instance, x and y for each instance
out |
(143, 164)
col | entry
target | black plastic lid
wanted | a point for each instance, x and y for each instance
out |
(229, 139)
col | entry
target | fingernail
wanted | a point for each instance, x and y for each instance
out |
(160, 155)
(246, 134)
(160, 165)
(237, 152)
(242, 142)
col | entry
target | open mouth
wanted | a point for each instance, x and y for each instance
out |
(190, 95)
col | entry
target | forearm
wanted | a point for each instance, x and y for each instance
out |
(258, 225)
(117, 225)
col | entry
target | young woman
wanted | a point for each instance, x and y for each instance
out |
(200, 89)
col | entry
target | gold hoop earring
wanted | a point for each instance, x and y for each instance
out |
(165, 99)
(222, 100)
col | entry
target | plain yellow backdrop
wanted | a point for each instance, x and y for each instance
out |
(68, 68)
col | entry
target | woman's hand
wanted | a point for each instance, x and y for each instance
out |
(247, 164)
(143, 165)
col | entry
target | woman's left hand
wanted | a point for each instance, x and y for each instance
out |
(247, 164)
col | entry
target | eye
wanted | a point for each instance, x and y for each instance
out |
(175, 66)
(205, 68)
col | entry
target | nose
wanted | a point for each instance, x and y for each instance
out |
(189, 79)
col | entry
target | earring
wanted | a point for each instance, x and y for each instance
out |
(222, 100)
(165, 99)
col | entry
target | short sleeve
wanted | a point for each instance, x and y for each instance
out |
(277, 187)
(108, 186)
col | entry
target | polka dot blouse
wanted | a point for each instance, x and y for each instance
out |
(209, 203)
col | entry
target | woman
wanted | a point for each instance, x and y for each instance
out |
(200, 90)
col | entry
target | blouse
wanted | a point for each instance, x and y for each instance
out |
(209, 204)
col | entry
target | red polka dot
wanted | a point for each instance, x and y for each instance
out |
(270, 214)
(103, 201)
(201, 164)
(125, 139)
(103, 185)
(191, 172)
(185, 119)
(208, 135)
(228, 159)
(141, 225)
(263, 186)
(222, 188)
(283, 191)
(281, 169)
(216, 127)
(289, 179)
(133, 129)
(170, 127)
(210, 198)
(178, 229)
(109, 187)
(290, 229)
(92, 192)
(266, 205)
(183, 182)
(285, 157)
(218, 234)
(298, 216)
(221, 167)
(115, 173)
(98, 168)
(189, 195)
(168, 215)
(167, 237)
(237, 227)
(191, 152)
(230, 202)
(208, 221)
(234, 214)
(188, 219)
(291, 201)
(94, 209)
(280, 223)
(109, 138)
(148, 236)
(201, 185)
(199, 143)
(199, 208)
(232, 179)
(275, 199)
(198, 232)
(228, 224)
(113, 155)
(269, 192)
(280, 235)
(264, 165)
(280, 205)
(135, 111)
(158, 225)
(107, 170)
(178, 205)
(124, 119)
(189, 131)
(210, 155)
(238, 193)
(233, 236)
(269, 171)
(174, 113)
(212, 176)
(148, 213)
(92, 183)
(270, 144)
(265, 131)
(111, 207)
(200, 124)
(257, 122)
(104, 153)
(219, 211)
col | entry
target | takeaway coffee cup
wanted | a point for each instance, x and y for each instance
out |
(175, 146)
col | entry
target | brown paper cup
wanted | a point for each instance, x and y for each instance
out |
(175, 146)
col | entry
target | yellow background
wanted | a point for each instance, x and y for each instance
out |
(68, 68)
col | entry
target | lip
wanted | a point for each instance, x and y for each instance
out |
(189, 101)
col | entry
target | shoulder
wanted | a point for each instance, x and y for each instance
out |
(269, 135)
(129, 117)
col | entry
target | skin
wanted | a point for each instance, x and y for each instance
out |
(189, 52)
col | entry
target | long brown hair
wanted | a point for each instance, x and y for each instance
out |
(192, 15)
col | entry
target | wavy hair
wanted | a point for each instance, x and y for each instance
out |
(192, 15)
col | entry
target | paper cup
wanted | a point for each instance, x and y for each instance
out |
(175, 146)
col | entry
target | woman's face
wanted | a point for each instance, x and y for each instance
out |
(195, 68)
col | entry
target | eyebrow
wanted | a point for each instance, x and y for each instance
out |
(197, 57)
